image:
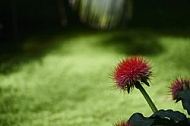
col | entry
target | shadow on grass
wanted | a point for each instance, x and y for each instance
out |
(28, 47)
(37, 44)
(20, 53)
(134, 42)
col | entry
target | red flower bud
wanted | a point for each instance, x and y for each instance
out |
(123, 124)
(179, 85)
(131, 71)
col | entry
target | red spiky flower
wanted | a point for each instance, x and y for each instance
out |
(122, 123)
(179, 85)
(131, 71)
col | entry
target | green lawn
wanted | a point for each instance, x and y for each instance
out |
(65, 80)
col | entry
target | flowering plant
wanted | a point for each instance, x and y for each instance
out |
(135, 71)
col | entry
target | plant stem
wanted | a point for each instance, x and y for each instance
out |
(146, 96)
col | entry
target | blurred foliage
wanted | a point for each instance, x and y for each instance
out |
(111, 13)
(100, 13)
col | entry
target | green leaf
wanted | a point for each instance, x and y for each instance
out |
(160, 118)
(170, 118)
(185, 98)
(137, 119)
(176, 116)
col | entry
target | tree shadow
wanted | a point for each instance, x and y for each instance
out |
(134, 42)
(178, 32)
(28, 47)
(34, 45)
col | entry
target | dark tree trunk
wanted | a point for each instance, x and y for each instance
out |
(72, 16)
(62, 12)
(8, 19)
(14, 19)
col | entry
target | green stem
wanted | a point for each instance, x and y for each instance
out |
(146, 96)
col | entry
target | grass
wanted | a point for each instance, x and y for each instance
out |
(65, 80)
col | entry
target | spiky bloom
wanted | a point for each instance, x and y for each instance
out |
(179, 85)
(123, 124)
(131, 71)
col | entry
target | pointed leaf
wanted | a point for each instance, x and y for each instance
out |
(185, 98)
(137, 119)
(176, 116)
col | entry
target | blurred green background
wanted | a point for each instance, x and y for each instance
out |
(57, 58)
